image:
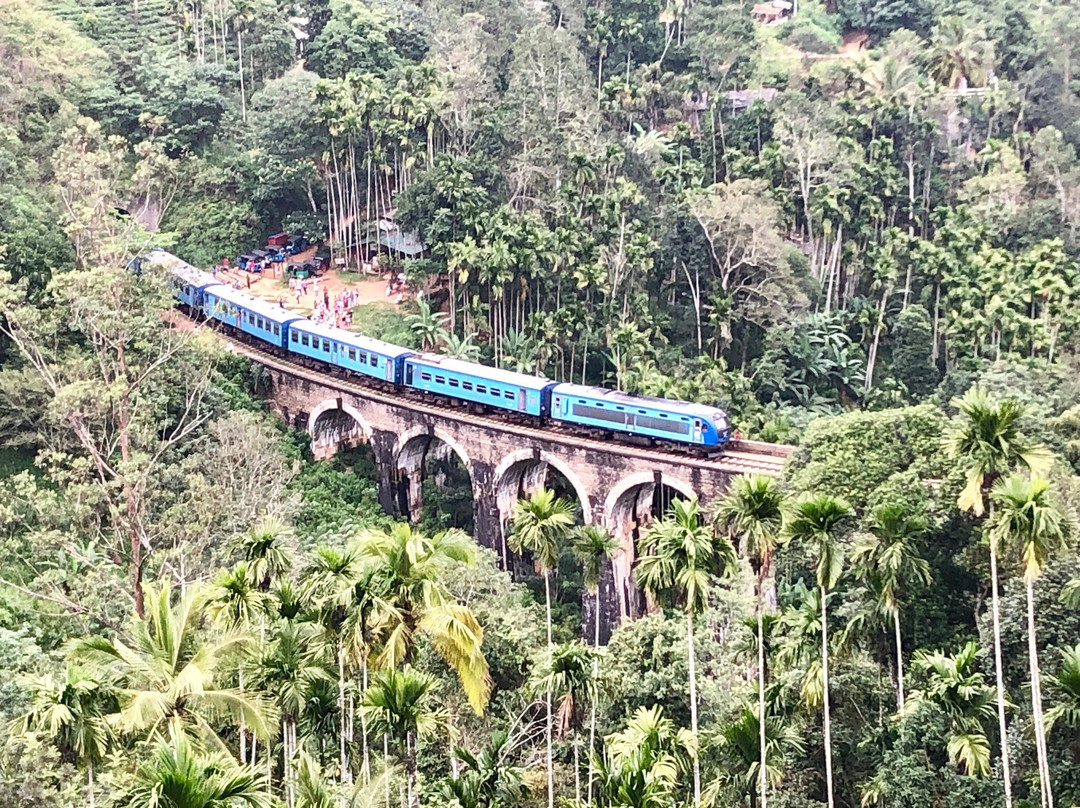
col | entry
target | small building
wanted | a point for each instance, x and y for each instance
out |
(744, 99)
(771, 13)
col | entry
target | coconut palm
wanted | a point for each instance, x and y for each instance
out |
(1028, 521)
(73, 711)
(887, 559)
(816, 522)
(678, 558)
(540, 524)
(406, 569)
(401, 705)
(168, 675)
(752, 514)
(986, 440)
(592, 547)
(569, 675)
(179, 777)
(955, 685)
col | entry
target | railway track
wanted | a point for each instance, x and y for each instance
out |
(743, 458)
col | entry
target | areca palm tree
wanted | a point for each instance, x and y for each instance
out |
(740, 742)
(986, 439)
(179, 777)
(887, 559)
(540, 524)
(592, 547)
(570, 676)
(266, 552)
(643, 764)
(753, 514)
(1065, 688)
(954, 685)
(488, 780)
(73, 711)
(401, 705)
(406, 569)
(168, 676)
(816, 521)
(1027, 520)
(678, 558)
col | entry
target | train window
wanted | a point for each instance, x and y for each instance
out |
(466, 385)
(363, 358)
(304, 339)
(481, 388)
(277, 330)
(352, 354)
(509, 395)
(453, 382)
(326, 345)
(662, 425)
(496, 392)
(426, 377)
(295, 337)
(440, 380)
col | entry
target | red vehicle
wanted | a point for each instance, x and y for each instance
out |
(278, 240)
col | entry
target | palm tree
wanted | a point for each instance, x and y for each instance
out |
(406, 569)
(985, 438)
(1065, 686)
(592, 547)
(73, 711)
(753, 512)
(167, 674)
(740, 742)
(887, 559)
(1029, 521)
(678, 558)
(816, 522)
(179, 777)
(401, 705)
(570, 676)
(956, 687)
(488, 781)
(265, 550)
(958, 53)
(235, 604)
(540, 524)
(643, 764)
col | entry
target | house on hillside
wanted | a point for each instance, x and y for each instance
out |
(772, 13)
(744, 99)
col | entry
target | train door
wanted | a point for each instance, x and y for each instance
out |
(521, 400)
(408, 373)
(697, 431)
(389, 368)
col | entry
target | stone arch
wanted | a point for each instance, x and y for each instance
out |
(412, 451)
(627, 509)
(513, 470)
(341, 423)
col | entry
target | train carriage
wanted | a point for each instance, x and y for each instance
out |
(503, 389)
(344, 349)
(640, 415)
(248, 314)
(187, 282)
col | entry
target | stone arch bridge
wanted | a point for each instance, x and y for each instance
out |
(614, 483)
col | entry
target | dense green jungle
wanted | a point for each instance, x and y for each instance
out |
(854, 226)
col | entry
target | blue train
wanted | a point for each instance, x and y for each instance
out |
(572, 404)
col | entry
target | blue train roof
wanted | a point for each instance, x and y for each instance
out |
(351, 338)
(617, 397)
(482, 371)
(243, 300)
(182, 269)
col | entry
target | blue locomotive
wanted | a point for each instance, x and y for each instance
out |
(534, 396)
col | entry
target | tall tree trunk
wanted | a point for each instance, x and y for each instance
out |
(762, 749)
(410, 762)
(90, 783)
(1036, 702)
(342, 729)
(1000, 675)
(827, 718)
(364, 732)
(547, 698)
(899, 662)
(577, 769)
(693, 702)
(592, 716)
(240, 51)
